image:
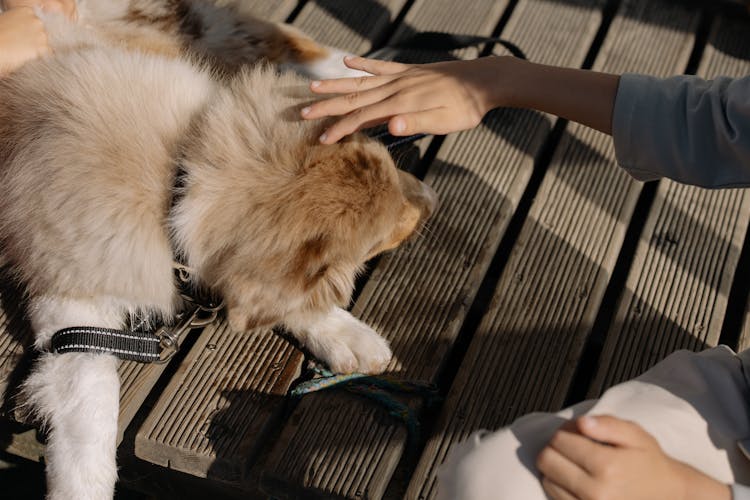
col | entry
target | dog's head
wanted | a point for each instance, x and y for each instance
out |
(280, 224)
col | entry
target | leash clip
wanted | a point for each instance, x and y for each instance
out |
(199, 316)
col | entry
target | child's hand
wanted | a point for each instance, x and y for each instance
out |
(616, 459)
(65, 7)
(22, 38)
(433, 98)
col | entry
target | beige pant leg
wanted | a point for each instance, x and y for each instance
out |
(491, 466)
(695, 405)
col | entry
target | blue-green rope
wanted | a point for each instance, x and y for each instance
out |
(376, 388)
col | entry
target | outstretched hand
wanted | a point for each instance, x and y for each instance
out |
(22, 38)
(432, 98)
(65, 7)
(607, 457)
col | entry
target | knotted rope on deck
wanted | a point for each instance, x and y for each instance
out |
(379, 389)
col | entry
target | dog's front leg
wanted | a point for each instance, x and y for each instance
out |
(343, 342)
(76, 396)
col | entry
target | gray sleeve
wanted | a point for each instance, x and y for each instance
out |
(687, 129)
(740, 492)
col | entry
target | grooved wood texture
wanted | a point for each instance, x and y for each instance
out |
(744, 342)
(352, 26)
(419, 295)
(15, 338)
(211, 418)
(273, 10)
(136, 382)
(676, 293)
(524, 353)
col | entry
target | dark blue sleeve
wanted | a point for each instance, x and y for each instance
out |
(685, 128)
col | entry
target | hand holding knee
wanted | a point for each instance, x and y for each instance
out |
(609, 458)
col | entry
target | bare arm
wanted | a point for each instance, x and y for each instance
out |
(446, 97)
(582, 96)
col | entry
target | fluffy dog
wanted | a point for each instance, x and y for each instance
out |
(91, 141)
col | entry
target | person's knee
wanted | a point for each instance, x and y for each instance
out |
(487, 466)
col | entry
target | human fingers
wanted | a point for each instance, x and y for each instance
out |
(34, 30)
(555, 491)
(370, 115)
(52, 6)
(347, 85)
(70, 9)
(439, 121)
(341, 105)
(579, 449)
(375, 66)
(615, 431)
(560, 470)
(64, 7)
(22, 38)
(25, 28)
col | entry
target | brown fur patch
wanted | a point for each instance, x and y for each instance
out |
(301, 48)
(307, 265)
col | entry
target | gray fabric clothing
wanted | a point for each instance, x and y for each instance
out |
(685, 128)
(694, 404)
(740, 492)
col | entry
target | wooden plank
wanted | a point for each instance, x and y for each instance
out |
(211, 418)
(272, 10)
(136, 382)
(524, 353)
(744, 342)
(676, 292)
(418, 297)
(15, 338)
(352, 27)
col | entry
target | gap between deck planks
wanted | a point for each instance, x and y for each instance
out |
(676, 294)
(523, 356)
(337, 445)
(744, 342)
(212, 418)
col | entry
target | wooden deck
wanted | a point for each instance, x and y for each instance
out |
(546, 276)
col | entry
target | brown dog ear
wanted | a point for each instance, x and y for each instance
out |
(319, 274)
(309, 265)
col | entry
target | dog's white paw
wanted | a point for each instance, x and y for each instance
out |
(331, 66)
(348, 345)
